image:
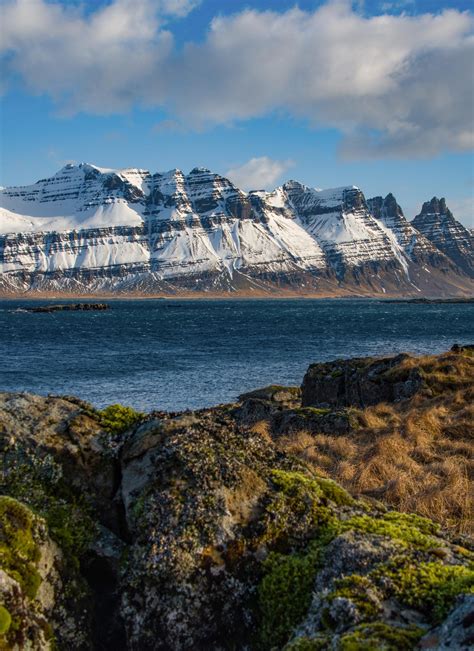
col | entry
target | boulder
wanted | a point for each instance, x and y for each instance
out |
(457, 631)
(359, 382)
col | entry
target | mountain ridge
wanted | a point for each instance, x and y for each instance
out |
(88, 229)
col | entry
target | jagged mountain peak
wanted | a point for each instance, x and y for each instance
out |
(200, 228)
(385, 207)
(436, 205)
(438, 224)
(200, 170)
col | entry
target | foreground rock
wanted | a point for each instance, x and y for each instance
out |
(196, 531)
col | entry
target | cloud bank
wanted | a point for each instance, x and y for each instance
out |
(393, 85)
(260, 173)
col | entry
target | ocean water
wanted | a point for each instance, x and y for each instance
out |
(178, 354)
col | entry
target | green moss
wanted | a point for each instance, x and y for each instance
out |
(38, 483)
(409, 530)
(334, 492)
(71, 527)
(429, 587)
(381, 637)
(358, 589)
(296, 484)
(295, 511)
(5, 620)
(285, 595)
(19, 552)
(308, 412)
(117, 419)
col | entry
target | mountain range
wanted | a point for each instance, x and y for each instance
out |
(91, 230)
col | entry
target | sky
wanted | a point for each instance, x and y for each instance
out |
(374, 93)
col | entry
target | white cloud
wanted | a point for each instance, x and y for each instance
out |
(394, 85)
(94, 63)
(258, 173)
(178, 7)
(395, 5)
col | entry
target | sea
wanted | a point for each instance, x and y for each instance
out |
(178, 354)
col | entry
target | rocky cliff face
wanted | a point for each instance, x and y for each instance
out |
(198, 531)
(417, 247)
(89, 229)
(438, 224)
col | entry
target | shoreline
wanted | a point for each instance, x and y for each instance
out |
(217, 296)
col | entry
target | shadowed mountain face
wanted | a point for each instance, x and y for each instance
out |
(90, 229)
(438, 224)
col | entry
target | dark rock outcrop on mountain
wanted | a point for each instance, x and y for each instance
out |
(388, 211)
(200, 531)
(437, 223)
(92, 230)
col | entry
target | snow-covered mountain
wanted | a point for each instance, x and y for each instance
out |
(89, 229)
(438, 224)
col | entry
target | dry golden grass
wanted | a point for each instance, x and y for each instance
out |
(416, 455)
(262, 428)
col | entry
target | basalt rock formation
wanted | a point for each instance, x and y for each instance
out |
(93, 230)
(438, 224)
(200, 531)
(358, 382)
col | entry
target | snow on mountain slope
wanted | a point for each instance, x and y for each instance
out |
(96, 227)
(340, 221)
(83, 196)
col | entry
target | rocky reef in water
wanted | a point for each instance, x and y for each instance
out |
(70, 307)
(200, 530)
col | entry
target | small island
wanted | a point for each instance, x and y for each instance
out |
(429, 301)
(71, 307)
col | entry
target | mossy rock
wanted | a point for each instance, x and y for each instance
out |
(5, 620)
(358, 589)
(285, 595)
(430, 587)
(117, 418)
(320, 643)
(312, 412)
(381, 637)
(334, 492)
(409, 529)
(19, 552)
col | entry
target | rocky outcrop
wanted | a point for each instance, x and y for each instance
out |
(419, 249)
(92, 230)
(197, 531)
(358, 382)
(437, 223)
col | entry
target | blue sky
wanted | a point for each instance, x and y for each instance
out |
(376, 94)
